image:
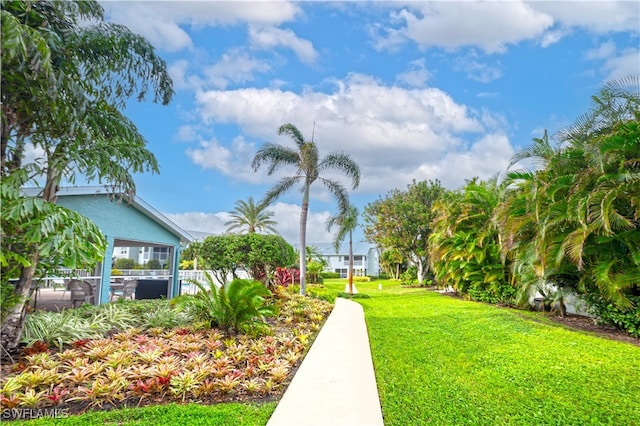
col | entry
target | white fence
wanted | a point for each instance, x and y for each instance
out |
(59, 277)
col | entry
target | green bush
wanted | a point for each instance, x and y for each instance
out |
(330, 275)
(58, 329)
(164, 316)
(321, 292)
(239, 305)
(9, 299)
(410, 276)
(354, 296)
(361, 279)
(624, 319)
(502, 293)
(153, 264)
(124, 263)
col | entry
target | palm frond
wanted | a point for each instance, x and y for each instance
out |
(276, 156)
(342, 162)
(292, 131)
(283, 186)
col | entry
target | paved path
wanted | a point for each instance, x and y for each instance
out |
(335, 384)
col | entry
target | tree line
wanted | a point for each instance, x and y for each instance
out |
(564, 219)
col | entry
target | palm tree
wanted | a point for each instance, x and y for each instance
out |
(574, 222)
(252, 217)
(346, 221)
(309, 167)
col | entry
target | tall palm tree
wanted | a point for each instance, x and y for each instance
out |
(309, 166)
(252, 217)
(346, 221)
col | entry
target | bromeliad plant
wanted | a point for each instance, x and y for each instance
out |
(239, 305)
(144, 365)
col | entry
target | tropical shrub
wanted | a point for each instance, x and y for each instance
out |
(286, 276)
(163, 316)
(180, 364)
(124, 263)
(153, 264)
(57, 328)
(410, 276)
(574, 220)
(321, 292)
(465, 247)
(9, 298)
(330, 275)
(626, 319)
(235, 306)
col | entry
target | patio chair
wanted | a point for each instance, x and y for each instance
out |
(81, 291)
(127, 291)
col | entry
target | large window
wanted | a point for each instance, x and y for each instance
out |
(357, 260)
(344, 273)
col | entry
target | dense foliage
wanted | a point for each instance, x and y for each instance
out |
(257, 254)
(137, 355)
(464, 244)
(238, 305)
(401, 222)
(565, 220)
(66, 76)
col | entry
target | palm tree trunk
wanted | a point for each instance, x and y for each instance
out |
(303, 239)
(350, 264)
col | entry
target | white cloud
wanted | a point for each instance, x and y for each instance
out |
(287, 217)
(448, 24)
(625, 64)
(491, 154)
(181, 80)
(270, 37)
(212, 223)
(615, 64)
(494, 25)
(160, 21)
(235, 66)
(604, 51)
(417, 75)
(394, 134)
(230, 161)
(596, 16)
(187, 133)
(475, 70)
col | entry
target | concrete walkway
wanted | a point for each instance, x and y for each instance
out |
(335, 384)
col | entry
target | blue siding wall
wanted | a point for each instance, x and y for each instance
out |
(119, 219)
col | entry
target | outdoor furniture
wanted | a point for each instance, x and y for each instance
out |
(81, 291)
(124, 290)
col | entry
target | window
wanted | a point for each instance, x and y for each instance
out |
(343, 272)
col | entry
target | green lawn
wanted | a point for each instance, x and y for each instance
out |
(440, 360)
(443, 361)
(170, 415)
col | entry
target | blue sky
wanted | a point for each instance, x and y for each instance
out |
(442, 90)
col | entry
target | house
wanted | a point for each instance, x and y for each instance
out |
(366, 258)
(125, 225)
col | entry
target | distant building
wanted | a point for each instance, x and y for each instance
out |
(366, 258)
(141, 255)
